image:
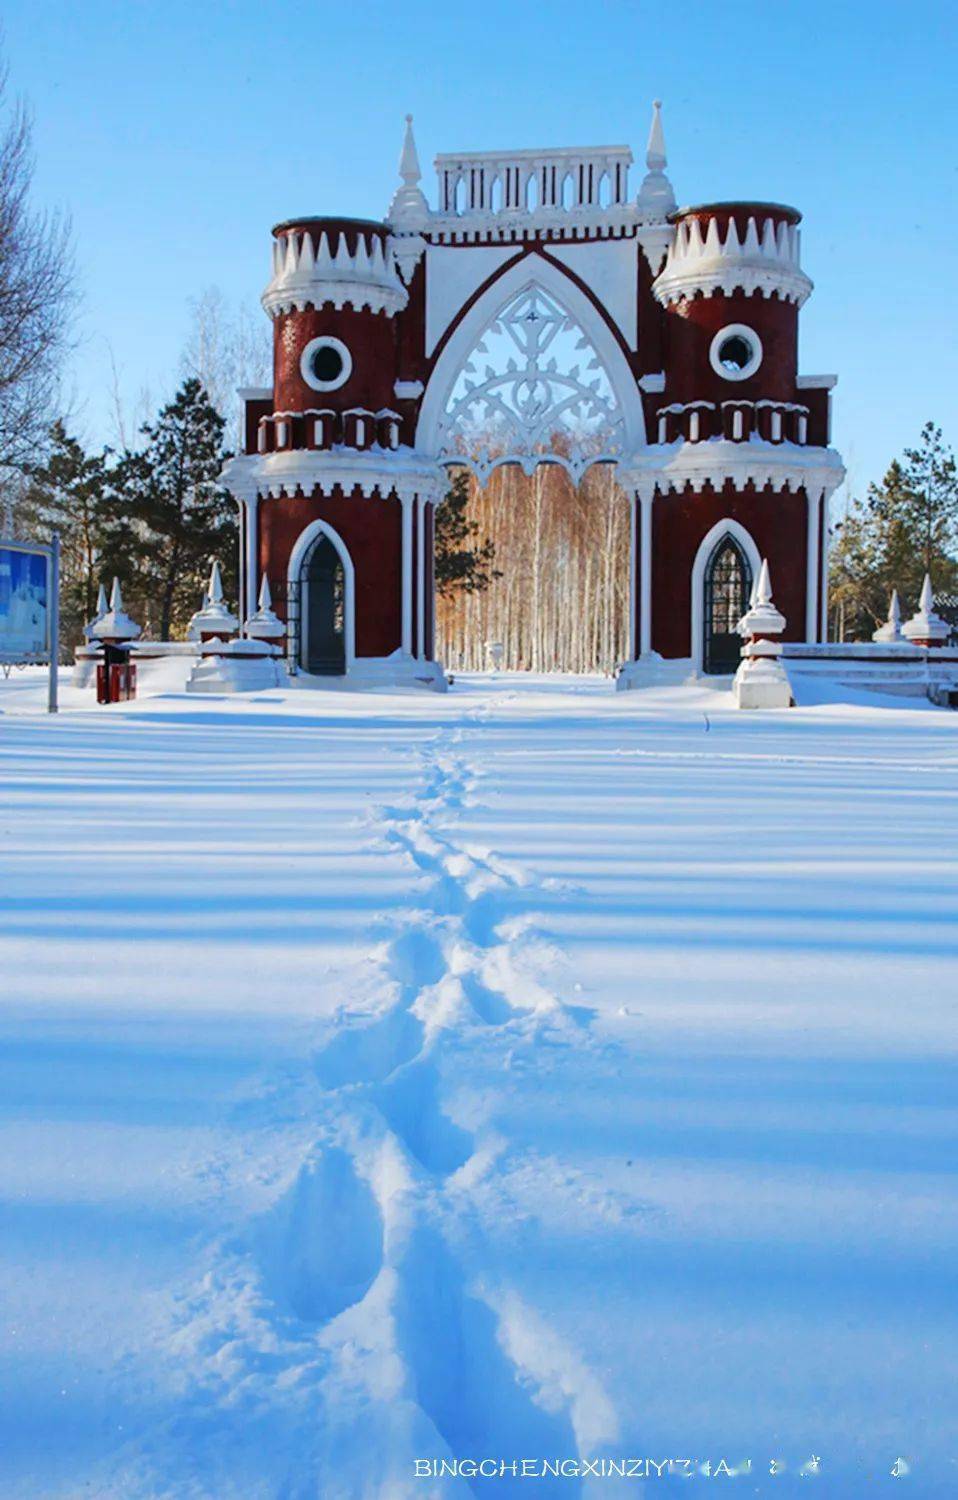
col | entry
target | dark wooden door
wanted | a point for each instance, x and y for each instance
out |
(324, 588)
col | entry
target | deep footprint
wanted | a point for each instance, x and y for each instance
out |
(322, 1248)
(410, 1105)
(474, 1395)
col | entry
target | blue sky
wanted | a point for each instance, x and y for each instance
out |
(176, 134)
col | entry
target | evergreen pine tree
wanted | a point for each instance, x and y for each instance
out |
(906, 527)
(176, 516)
(931, 507)
(70, 493)
(462, 563)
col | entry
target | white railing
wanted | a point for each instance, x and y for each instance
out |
(522, 182)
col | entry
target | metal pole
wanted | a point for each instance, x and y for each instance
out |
(53, 604)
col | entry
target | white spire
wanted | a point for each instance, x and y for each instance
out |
(409, 157)
(215, 590)
(761, 617)
(655, 157)
(891, 630)
(656, 199)
(114, 624)
(265, 625)
(98, 613)
(409, 208)
(926, 628)
(926, 601)
(761, 681)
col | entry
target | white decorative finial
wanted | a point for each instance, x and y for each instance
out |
(761, 681)
(215, 590)
(761, 617)
(891, 630)
(265, 625)
(656, 199)
(409, 158)
(409, 209)
(926, 628)
(655, 157)
(114, 624)
(926, 600)
(98, 614)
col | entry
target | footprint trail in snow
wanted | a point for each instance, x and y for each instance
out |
(370, 1292)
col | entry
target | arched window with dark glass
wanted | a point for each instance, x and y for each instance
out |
(728, 584)
(323, 605)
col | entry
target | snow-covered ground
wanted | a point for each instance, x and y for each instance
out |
(531, 1073)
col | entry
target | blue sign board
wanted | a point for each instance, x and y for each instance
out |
(24, 613)
(29, 606)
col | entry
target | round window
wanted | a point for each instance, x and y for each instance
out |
(736, 352)
(326, 363)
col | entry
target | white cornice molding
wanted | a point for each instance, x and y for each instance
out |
(816, 382)
(402, 471)
(717, 461)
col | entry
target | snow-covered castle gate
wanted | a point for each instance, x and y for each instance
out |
(538, 313)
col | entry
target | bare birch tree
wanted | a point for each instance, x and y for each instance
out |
(561, 602)
(36, 297)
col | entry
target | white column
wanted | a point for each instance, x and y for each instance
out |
(823, 602)
(633, 544)
(252, 554)
(812, 554)
(407, 502)
(420, 577)
(645, 572)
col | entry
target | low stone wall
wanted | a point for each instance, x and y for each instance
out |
(901, 670)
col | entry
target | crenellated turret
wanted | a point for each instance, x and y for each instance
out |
(731, 247)
(346, 263)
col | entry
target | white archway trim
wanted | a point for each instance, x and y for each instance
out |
(531, 270)
(297, 557)
(709, 542)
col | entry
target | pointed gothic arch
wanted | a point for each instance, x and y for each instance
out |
(724, 530)
(569, 367)
(298, 621)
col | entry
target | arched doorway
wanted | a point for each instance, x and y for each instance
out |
(323, 610)
(533, 394)
(728, 583)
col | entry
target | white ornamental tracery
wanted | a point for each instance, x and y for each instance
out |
(533, 388)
